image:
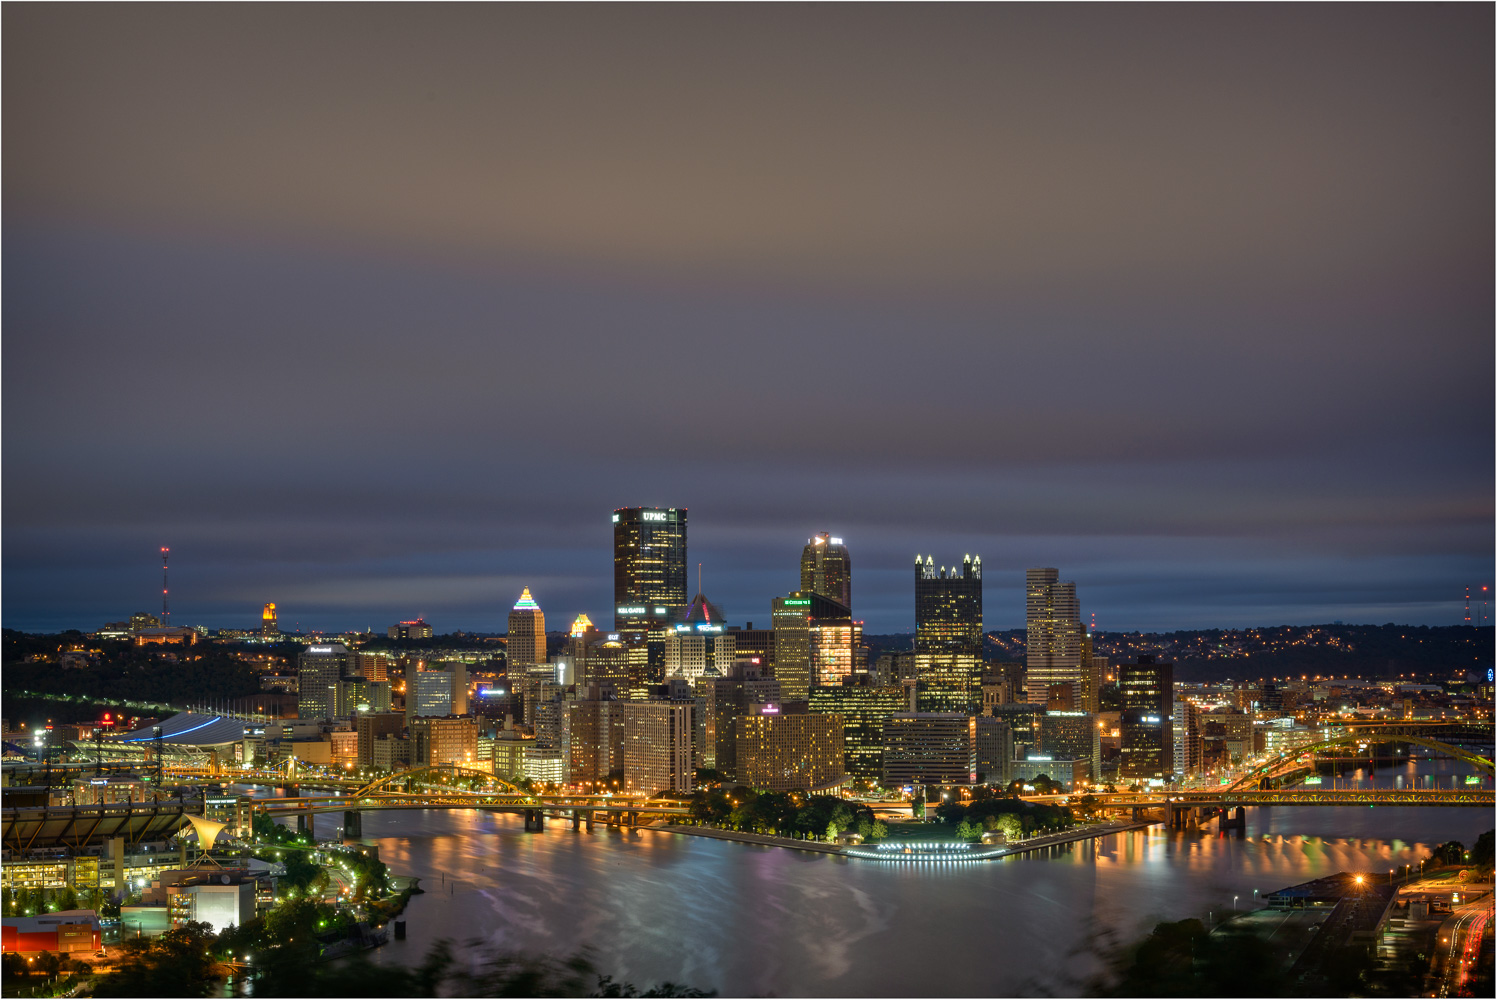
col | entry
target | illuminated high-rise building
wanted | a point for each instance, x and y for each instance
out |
(1148, 690)
(320, 669)
(834, 650)
(792, 645)
(527, 632)
(754, 644)
(948, 636)
(699, 643)
(1054, 634)
(1072, 735)
(725, 700)
(1186, 738)
(826, 569)
(267, 621)
(787, 752)
(930, 748)
(801, 646)
(864, 709)
(657, 746)
(429, 692)
(649, 567)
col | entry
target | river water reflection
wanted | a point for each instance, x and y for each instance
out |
(750, 920)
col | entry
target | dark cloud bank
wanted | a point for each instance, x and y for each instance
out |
(379, 311)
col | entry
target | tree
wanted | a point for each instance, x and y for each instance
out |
(1452, 852)
(1010, 825)
(950, 812)
(880, 829)
(13, 968)
(179, 963)
(966, 831)
(711, 806)
(1481, 851)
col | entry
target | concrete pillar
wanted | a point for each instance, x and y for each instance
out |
(576, 819)
(117, 855)
(353, 823)
(535, 821)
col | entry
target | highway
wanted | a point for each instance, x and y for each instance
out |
(1460, 944)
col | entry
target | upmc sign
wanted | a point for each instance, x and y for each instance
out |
(652, 515)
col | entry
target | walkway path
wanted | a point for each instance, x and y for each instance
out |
(1073, 835)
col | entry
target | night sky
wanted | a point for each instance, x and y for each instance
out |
(378, 311)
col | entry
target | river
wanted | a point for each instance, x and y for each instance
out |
(748, 920)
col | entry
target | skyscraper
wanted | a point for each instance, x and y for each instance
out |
(1053, 618)
(649, 567)
(948, 636)
(795, 621)
(527, 632)
(1148, 689)
(657, 747)
(786, 752)
(1186, 738)
(267, 621)
(826, 569)
(864, 708)
(320, 670)
(429, 692)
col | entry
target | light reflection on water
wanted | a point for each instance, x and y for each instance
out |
(751, 920)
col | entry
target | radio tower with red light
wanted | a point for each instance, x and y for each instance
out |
(166, 613)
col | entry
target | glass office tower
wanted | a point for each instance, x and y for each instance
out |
(948, 636)
(649, 567)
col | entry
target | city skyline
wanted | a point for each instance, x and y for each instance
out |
(1161, 336)
(290, 347)
(1009, 584)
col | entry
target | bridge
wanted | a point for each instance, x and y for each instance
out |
(432, 788)
(1295, 758)
(437, 787)
(1227, 797)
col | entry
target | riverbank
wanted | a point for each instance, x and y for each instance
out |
(762, 840)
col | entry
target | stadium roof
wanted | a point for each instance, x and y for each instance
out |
(192, 729)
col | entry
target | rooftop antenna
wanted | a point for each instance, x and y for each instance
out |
(699, 578)
(166, 614)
